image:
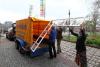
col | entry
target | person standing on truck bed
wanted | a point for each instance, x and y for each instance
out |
(52, 37)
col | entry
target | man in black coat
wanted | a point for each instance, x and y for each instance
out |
(80, 59)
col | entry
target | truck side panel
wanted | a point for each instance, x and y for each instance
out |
(24, 30)
(39, 26)
(29, 29)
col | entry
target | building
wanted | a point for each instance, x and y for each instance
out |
(7, 25)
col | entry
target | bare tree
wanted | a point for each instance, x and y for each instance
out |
(97, 3)
(95, 14)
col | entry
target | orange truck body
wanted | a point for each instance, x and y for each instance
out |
(30, 28)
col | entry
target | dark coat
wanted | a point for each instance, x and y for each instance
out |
(59, 33)
(80, 43)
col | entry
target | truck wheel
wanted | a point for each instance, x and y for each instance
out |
(16, 45)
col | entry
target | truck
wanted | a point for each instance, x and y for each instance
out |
(28, 31)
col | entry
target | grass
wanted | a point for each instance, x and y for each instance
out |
(72, 38)
(91, 40)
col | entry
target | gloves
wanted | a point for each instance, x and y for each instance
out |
(71, 28)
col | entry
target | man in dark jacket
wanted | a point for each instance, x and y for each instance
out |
(59, 37)
(52, 37)
(80, 59)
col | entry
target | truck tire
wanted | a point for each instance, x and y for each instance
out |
(16, 45)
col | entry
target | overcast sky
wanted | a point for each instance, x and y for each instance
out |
(12, 10)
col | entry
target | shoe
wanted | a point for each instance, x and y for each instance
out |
(50, 57)
(55, 56)
(58, 52)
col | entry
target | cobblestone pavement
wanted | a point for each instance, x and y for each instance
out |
(10, 57)
(93, 54)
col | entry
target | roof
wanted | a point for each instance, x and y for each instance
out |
(37, 19)
(73, 22)
(33, 19)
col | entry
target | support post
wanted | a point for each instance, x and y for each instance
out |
(69, 24)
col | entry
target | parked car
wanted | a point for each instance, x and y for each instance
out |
(10, 34)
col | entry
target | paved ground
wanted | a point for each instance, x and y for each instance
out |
(93, 54)
(10, 57)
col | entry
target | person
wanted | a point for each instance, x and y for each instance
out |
(59, 37)
(52, 37)
(80, 59)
